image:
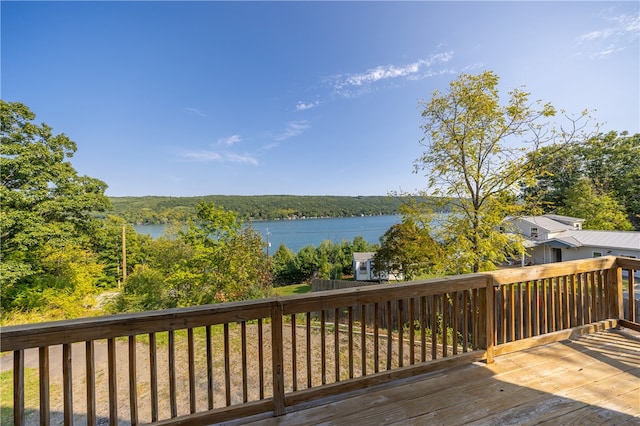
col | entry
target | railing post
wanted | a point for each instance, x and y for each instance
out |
(614, 292)
(489, 318)
(18, 387)
(277, 356)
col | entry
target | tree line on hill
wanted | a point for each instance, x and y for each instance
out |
(62, 238)
(162, 210)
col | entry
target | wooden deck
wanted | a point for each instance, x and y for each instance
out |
(591, 380)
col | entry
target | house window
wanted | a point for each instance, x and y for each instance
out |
(597, 254)
(534, 232)
(363, 267)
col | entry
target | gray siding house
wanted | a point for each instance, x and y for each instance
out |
(553, 238)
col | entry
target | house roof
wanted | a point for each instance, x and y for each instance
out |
(567, 220)
(546, 223)
(363, 256)
(607, 239)
(567, 236)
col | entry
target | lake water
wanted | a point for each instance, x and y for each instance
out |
(299, 233)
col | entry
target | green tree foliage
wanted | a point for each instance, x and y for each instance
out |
(214, 260)
(609, 162)
(409, 249)
(46, 206)
(328, 261)
(252, 207)
(600, 210)
(284, 272)
(476, 154)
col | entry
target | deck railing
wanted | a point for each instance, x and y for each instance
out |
(213, 363)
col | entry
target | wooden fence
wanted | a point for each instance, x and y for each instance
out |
(213, 363)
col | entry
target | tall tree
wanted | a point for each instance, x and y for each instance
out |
(597, 208)
(407, 248)
(45, 203)
(611, 164)
(476, 155)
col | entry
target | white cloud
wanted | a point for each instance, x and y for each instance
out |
(219, 157)
(618, 33)
(605, 52)
(354, 84)
(301, 106)
(202, 155)
(231, 140)
(294, 128)
(240, 158)
(195, 111)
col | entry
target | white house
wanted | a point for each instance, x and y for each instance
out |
(363, 268)
(553, 238)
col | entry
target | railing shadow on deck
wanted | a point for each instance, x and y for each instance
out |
(214, 363)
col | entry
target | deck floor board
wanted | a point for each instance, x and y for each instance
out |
(593, 379)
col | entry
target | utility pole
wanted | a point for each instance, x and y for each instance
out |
(124, 253)
(268, 242)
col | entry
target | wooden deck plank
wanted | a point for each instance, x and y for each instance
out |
(594, 378)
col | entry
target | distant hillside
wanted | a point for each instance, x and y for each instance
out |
(153, 209)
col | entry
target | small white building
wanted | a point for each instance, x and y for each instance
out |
(363, 268)
(553, 238)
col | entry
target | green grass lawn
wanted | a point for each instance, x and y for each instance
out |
(31, 392)
(292, 289)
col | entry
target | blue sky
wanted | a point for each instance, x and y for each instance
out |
(196, 98)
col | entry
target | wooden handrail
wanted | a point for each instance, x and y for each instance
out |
(318, 344)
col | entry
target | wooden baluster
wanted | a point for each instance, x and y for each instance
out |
(191, 353)
(466, 306)
(512, 312)
(434, 326)
(455, 297)
(210, 382)
(309, 381)
(423, 329)
(536, 308)
(594, 303)
(67, 384)
(133, 383)
(475, 312)
(277, 347)
(153, 379)
(557, 324)
(503, 314)
(412, 334)
(389, 335)
(544, 323)
(45, 407)
(243, 342)
(90, 374)
(376, 341)
(227, 365)
(601, 299)
(632, 297)
(18, 387)
(445, 321)
(261, 358)
(400, 332)
(566, 314)
(113, 383)
(294, 356)
(521, 317)
(350, 326)
(336, 343)
(172, 373)
(363, 339)
(323, 348)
